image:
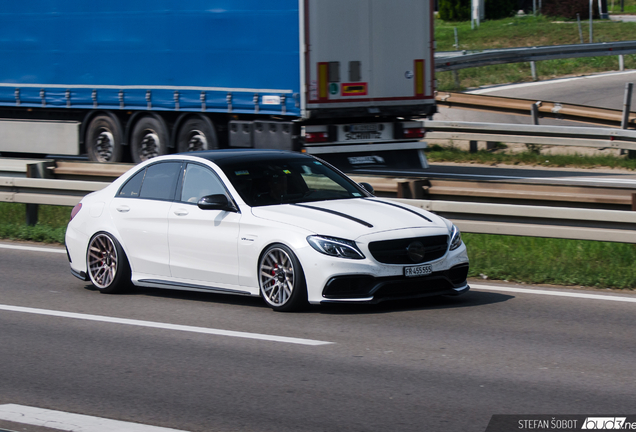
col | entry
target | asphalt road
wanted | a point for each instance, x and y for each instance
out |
(446, 364)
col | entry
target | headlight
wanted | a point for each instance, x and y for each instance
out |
(456, 238)
(335, 247)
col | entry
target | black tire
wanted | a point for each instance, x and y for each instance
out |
(107, 265)
(196, 134)
(149, 139)
(281, 279)
(104, 138)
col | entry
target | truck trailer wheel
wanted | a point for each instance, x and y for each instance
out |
(197, 134)
(104, 139)
(149, 139)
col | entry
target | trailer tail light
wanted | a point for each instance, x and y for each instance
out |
(75, 211)
(316, 137)
(417, 132)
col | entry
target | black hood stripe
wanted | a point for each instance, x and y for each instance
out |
(337, 213)
(403, 208)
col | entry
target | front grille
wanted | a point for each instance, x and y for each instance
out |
(384, 288)
(396, 251)
(421, 287)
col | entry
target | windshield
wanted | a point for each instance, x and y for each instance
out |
(285, 181)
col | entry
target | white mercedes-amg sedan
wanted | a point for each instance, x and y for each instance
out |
(284, 226)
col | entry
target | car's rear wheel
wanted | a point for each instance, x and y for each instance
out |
(281, 279)
(107, 264)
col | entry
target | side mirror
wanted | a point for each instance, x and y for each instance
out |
(367, 187)
(216, 202)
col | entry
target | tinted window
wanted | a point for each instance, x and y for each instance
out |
(293, 180)
(160, 181)
(198, 182)
(132, 186)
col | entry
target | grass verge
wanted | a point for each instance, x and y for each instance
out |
(50, 228)
(518, 259)
(532, 157)
(537, 260)
(528, 31)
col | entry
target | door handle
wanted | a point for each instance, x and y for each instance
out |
(181, 212)
(123, 209)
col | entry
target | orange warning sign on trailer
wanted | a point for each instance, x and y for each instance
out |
(354, 89)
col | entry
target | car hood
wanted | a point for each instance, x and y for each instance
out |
(351, 218)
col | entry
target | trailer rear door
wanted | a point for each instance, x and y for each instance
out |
(368, 53)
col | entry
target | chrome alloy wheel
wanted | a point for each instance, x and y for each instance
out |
(277, 276)
(102, 261)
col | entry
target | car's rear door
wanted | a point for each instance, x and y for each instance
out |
(140, 213)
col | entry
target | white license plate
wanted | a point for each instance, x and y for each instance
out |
(366, 132)
(421, 270)
(370, 127)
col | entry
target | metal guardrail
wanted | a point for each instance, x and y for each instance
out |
(536, 221)
(532, 134)
(455, 60)
(547, 109)
(46, 191)
(524, 220)
(545, 192)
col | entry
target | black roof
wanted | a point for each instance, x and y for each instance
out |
(225, 156)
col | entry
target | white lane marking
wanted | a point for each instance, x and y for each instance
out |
(153, 324)
(31, 248)
(554, 293)
(71, 422)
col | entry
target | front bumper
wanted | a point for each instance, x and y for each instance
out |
(370, 289)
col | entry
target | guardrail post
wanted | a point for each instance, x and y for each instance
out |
(533, 69)
(627, 105)
(473, 147)
(36, 170)
(32, 214)
(591, 31)
(411, 189)
(621, 62)
(534, 111)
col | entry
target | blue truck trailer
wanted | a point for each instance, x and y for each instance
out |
(125, 80)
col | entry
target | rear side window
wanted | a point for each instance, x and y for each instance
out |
(160, 181)
(132, 186)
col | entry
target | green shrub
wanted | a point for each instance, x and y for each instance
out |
(498, 9)
(459, 10)
(454, 10)
(569, 8)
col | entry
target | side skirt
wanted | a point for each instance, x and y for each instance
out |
(158, 283)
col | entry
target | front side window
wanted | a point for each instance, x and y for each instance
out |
(198, 182)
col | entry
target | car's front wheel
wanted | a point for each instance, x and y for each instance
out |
(107, 264)
(281, 279)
